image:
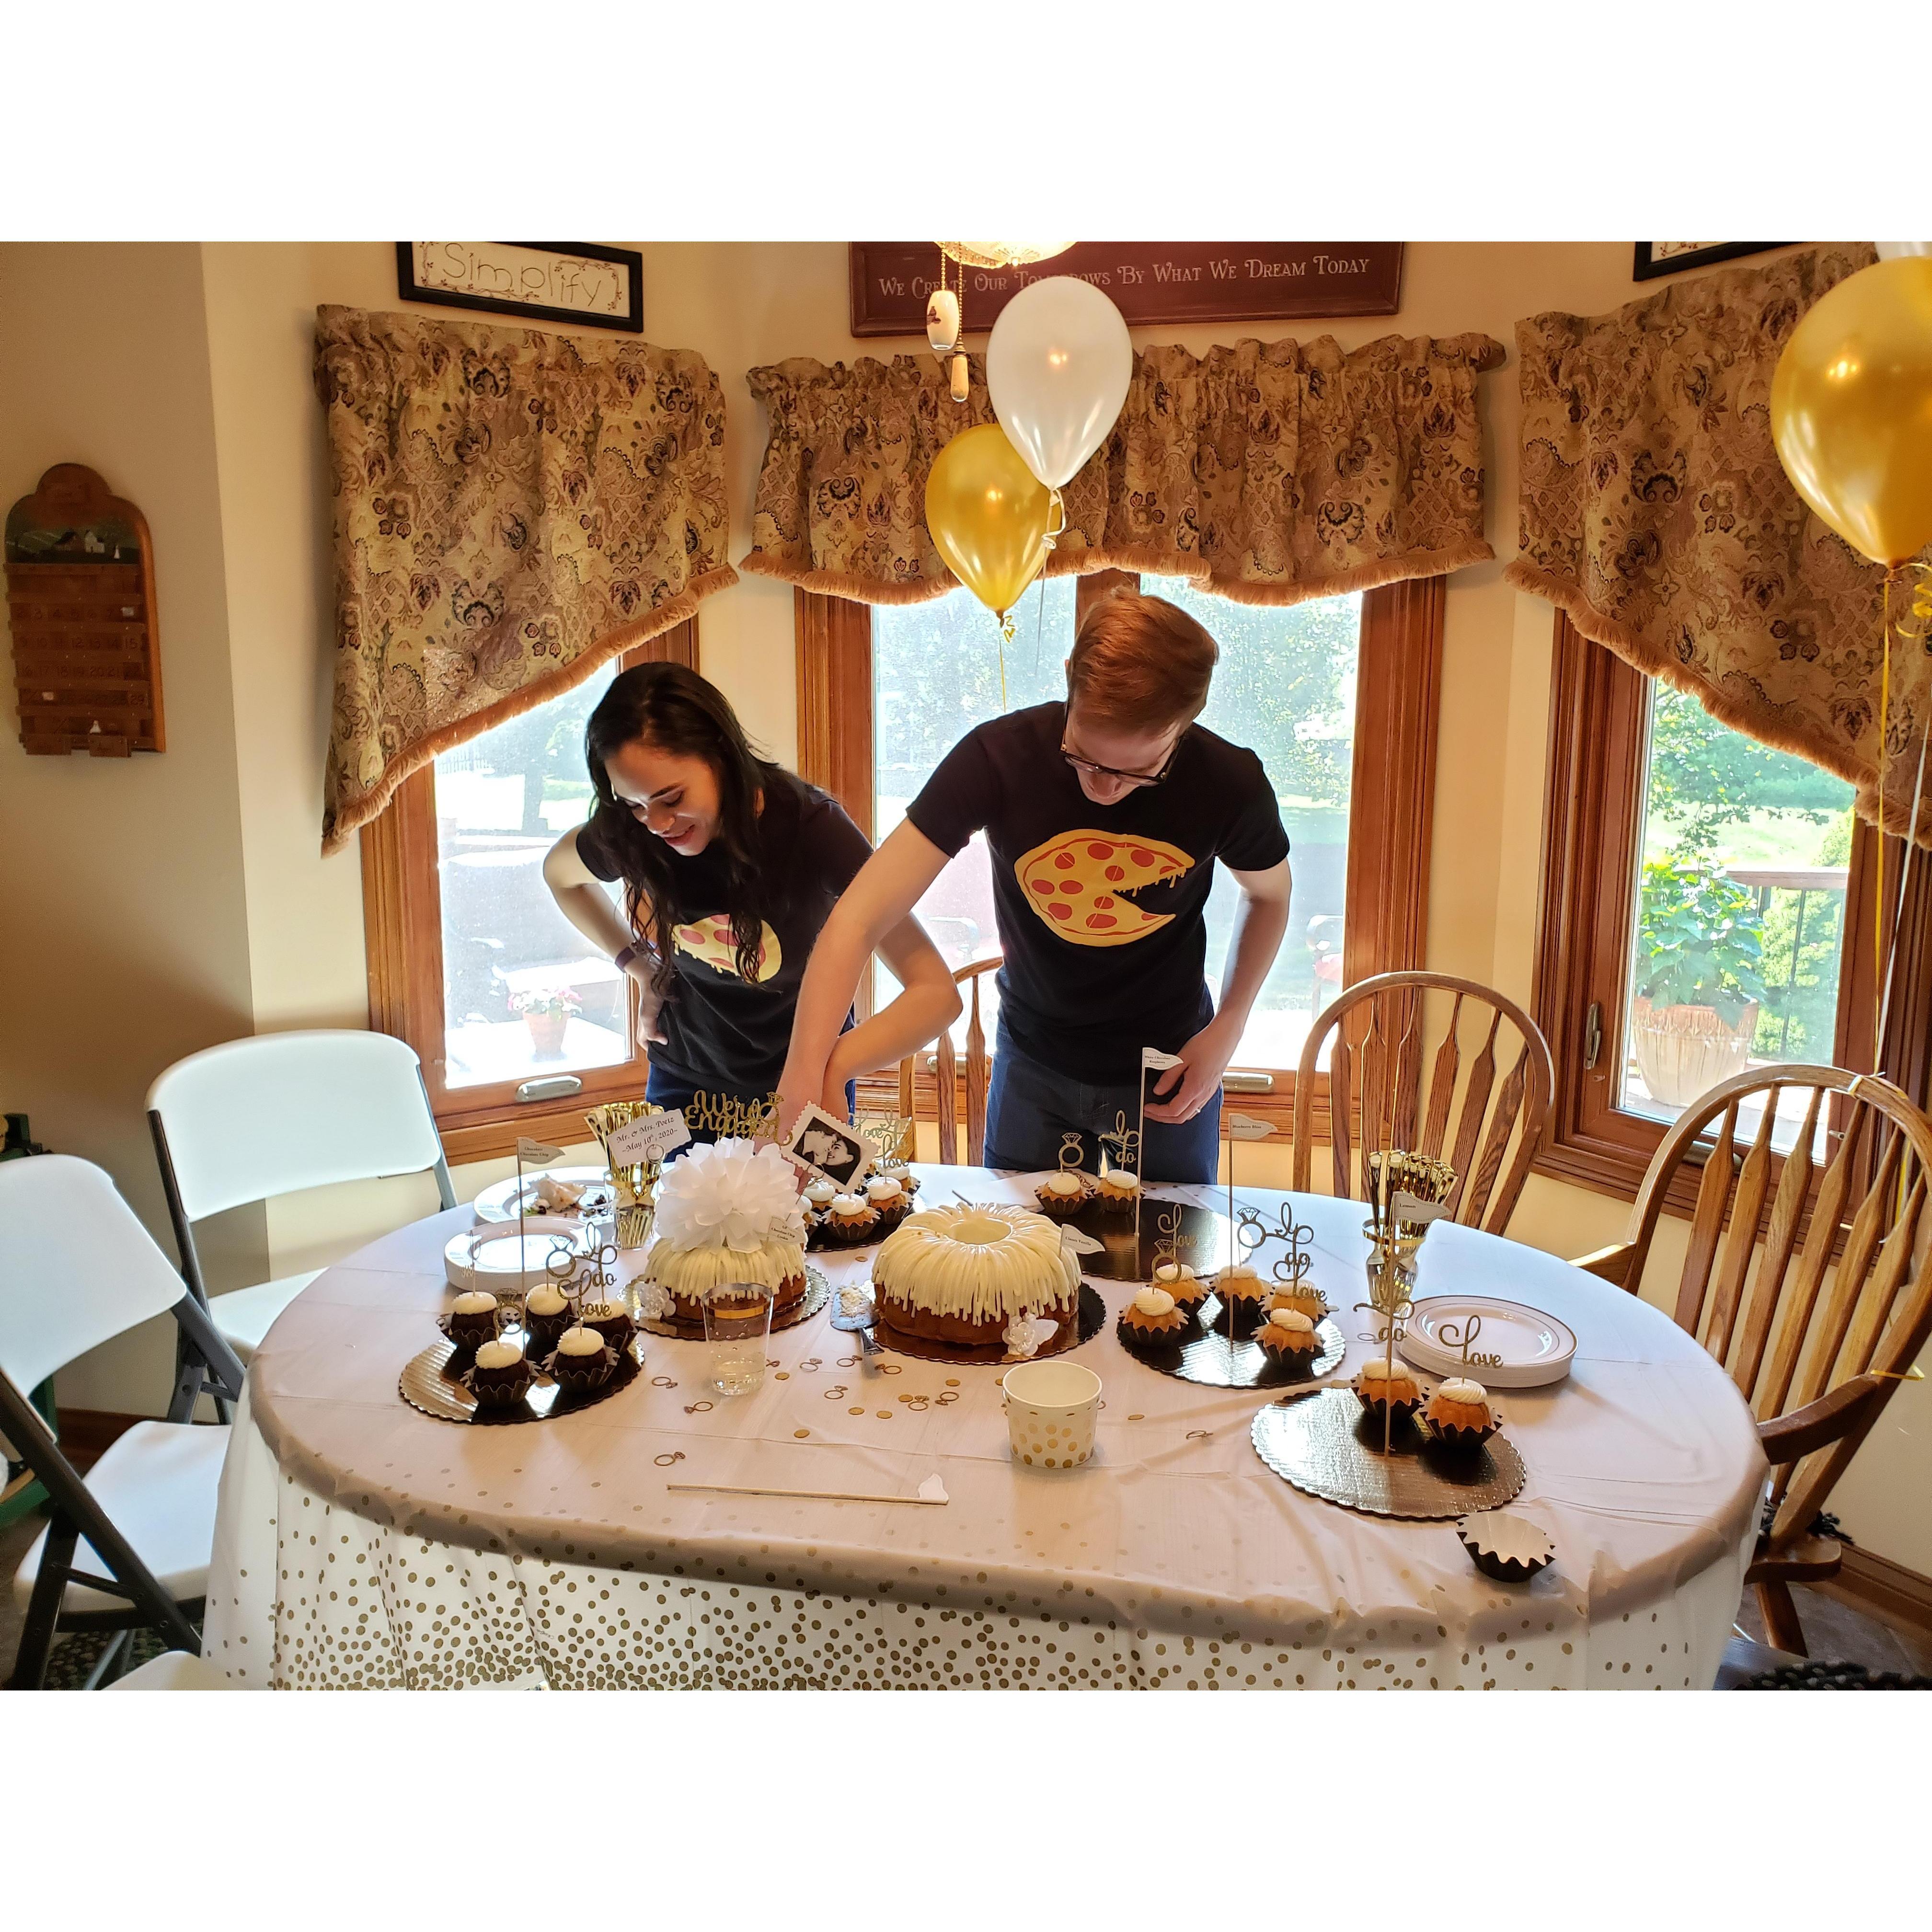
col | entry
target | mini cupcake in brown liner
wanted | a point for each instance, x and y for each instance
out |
(886, 1195)
(1243, 1293)
(472, 1320)
(1509, 1548)
(1153, 1320)
(1460, 1414)
(1118, 1190)
(1186, 1287)
(850, 1221)
(1397, 1389)
(1304, 1298)
(501, 1375)
(611, 1319)
(1063, 1193)
(546, 1314)
(1288, 1336)
(576, 1367)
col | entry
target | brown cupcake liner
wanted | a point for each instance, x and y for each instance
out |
(545, 1330)
(852, 1234)
(466, 1333)
(1505, 1569)
(1375, 1404)
(578, 1375)
(1453, 1436)
(499, 1388)
(616, 1330)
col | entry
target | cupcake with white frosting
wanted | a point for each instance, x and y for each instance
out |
(546, 1314)
(1118, 1190)
(1303, 1297)
(1288, 1336)
(1461, 1414)
(851, 1221)
(472, 1319)
(885, 1194)
(1063, 1193)
(1153, 1316)
(581, 1361)
(1381, 1385)
(501, 1374)
(1186, 1287)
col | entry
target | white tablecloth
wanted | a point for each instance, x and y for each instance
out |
(361, 1543)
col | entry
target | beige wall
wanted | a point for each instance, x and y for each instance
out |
(126, 941)
(261, 512)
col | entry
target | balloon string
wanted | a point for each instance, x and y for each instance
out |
(1878, 902)
(1006, 638)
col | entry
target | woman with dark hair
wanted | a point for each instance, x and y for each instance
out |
(729, 864)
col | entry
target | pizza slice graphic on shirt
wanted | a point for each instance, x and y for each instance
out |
(1076, 882)
(712, 942)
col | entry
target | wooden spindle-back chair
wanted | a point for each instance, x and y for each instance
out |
(945, 1074)
(1376, 1095)
(1816, 1362)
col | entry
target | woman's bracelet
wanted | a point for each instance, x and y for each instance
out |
(623, 959)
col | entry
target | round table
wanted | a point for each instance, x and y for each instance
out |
(360, 1543)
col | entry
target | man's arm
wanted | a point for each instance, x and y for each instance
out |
(1261, 918)
(889, 885)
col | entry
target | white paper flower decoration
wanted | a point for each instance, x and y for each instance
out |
(734, 1194)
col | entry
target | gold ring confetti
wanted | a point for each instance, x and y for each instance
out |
(696, 1408)
(665, 1461)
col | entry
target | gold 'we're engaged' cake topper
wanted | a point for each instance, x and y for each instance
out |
(1072, 1152)
(732, 1120)
(1126, 1142)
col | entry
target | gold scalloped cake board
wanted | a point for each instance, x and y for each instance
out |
(1322, 1446)
(817, 1292)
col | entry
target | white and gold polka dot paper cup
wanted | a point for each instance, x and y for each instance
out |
(1052, 1408)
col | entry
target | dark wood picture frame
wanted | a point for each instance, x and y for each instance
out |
(632, 323)
(1646, 267)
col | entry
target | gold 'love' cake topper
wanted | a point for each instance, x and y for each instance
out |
(1167, 1240)
(890, 1136)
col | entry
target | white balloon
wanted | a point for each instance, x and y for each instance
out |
(1058, 363)
(1891, 251)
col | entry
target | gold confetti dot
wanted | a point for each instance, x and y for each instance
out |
(885, 1415)
(801, 1433)
(860, 1411)
(783, 1375)
(952, 1381)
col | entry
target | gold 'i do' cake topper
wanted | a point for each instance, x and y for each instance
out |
(1290, 1269)
(1125, 1141)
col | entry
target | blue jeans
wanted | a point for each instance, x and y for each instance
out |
(1030, 1106)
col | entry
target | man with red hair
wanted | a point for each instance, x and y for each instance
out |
(1104, 816)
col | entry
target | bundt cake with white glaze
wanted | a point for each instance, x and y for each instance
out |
(728, 1218)
(966, 1276)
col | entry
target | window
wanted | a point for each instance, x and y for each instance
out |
(521, 1023)
(1325, 691)
(1708, 907)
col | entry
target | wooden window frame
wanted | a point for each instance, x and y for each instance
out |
(402, 921)
(1598, 708)
(1392, 798)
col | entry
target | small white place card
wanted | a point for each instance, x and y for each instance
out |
(650, 1138)
(1074, 1241)
(1406, 1208)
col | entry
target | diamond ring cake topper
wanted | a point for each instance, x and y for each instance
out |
(1073, 1151)
(1250, 1231)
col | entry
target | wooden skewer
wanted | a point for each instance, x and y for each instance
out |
(817, 1495)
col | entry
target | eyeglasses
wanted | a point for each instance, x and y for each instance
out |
(1128, 779)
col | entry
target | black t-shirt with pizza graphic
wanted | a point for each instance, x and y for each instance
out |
(1100, 906)
(722, 1034)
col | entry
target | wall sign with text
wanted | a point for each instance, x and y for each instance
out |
(574, 283)
(1149, 281)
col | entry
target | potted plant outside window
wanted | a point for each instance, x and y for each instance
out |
(546, 1016)
(1699, 961)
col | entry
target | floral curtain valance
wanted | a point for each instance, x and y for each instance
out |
(1654, 512)
(1267, 472)
(511, 509)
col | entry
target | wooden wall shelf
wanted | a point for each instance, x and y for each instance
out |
(80, 599)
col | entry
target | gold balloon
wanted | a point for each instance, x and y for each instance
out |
(988, 514)
(1851, 409)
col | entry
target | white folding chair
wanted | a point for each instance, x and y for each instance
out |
(76, 1269)
(254, 1118)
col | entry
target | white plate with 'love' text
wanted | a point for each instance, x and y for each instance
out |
(1500, 1344)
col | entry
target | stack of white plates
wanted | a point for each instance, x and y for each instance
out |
(1448, 1332)
(510, 1258)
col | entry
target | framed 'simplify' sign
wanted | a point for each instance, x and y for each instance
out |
(577, 284)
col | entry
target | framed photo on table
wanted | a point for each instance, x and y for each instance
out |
(1670, 258)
